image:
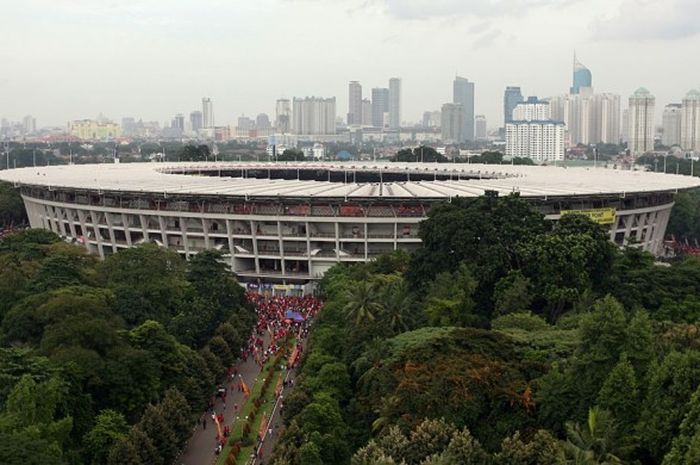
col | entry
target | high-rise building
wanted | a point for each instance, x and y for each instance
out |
(671, 125)
(244, 123)
(366, 112)
(196, 121)
(178, 123)
(380, 106)
(354, 103)
(128, 126)
(463, 93)
(394, 103)
(262, 121)
(533, 134)
(283, 115)
(511, 97)
(605, 114)
(640, 134)
(29, 124)
(452, 123)
(207, 113)
(690, 122)
(480, 127)
(625, 136)
(582, 77)
(313, 116)
(432, 119)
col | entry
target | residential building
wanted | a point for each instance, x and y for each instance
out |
(534, 134)
(671, 125)
(480, 127)
(313, 116)
(394, 103)
(196, 121)
(432, 119)
(452, 123)
(88, 129)
(262, 121)
(511, 97)
(354, 103)
(207, 113)
(366, 112)
(640, 131)
(29, 124)
(283, 115)
(178, 123)
(380, 107)
(690, 122)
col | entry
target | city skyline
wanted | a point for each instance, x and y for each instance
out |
(126, 78)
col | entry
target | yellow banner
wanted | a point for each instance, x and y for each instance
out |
(599, 215)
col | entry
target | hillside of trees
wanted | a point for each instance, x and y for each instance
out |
(504, 340)
(109, 362)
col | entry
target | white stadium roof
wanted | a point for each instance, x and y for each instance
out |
(529, 181)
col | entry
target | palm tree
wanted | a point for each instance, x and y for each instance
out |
(362, 303)
(396, 309)
(592, 444)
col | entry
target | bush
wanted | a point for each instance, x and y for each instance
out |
(520, 320)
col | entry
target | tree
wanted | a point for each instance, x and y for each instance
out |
(419, 154)
(191, 152)
(177, 413)
(513, 293)
(110, 426)
(449, 301)
(593, 443)
(542, 449)
(124, 452)
(11, 206)
(362, 303)
(685, 444)
(160, 432)
(291, 155)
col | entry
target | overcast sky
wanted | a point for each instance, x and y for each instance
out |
(69, 59)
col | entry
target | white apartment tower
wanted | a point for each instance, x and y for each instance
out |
(690, 122)
(394, 103)
(641, 122)
(533, 134)
(283, 115)
(480, 132)
(313, 116)
(354, 104)
(671, 125)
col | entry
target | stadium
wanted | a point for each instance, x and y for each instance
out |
(289, 223)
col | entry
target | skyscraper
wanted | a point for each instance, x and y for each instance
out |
(452, 123)
(533, 134)
(394, 103)
(196, 121)
(354, 103)
(29, 124)
(690, 122)
(463, 93)
(283, 115)
(605, 118)
(207, 113)
(671, 125)
(380, 106)
(366, 112)
(641, 122)
(313, 116)
(511, 97)
(178, 123)
(582, 77)
(480, 127)
(262, 121)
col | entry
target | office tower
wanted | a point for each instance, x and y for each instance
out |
(625, 127)
(463, 93)
(533, 134)
(640, 133)
(207, 113)
(283, 115)
(432, 119)
(354, 103)
(262, 121)
(313, 116)
(511, 97)
(394, 103)
(671, 125)
(29, 124)
(128, 126)
(480, 127)
(366, 112)
(452, 123)
(582, 77)
(178, 123)
(196, 121)
(690, 122)
(380, 106)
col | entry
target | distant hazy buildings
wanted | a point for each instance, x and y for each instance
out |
(283, 115)
(196, 121)
(207, 113)
(480, 132)
(534, 134)
(394, 103)
(178, 123)
(463, 93)
(582, 77)
(366, 112)
(88, 129)
(690, 122)
(511, 97)
(262, 122)
(354, 103)
(452, 123)
(313, 116)
(671, 125)
(29, 124)
(432, 119)
(640, 131)
(380, 107)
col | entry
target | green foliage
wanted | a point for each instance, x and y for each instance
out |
(11, 206)
(513, 293)
(449, 300)
(110, 426)
(419, 154)
(191, 152)
(291, 155)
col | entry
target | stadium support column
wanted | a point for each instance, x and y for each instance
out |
(205, 229)
(83, 228)
(229, 236)
(163, 230)
(254, 235)
(127, 228)
(281, 247)
(71, 223)
(183, 231)
(337, 240)
(110, 229)
(96, 231)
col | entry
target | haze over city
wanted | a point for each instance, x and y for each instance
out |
(71, 59)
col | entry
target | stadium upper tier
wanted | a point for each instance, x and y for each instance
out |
(290, 222)
(347, 180)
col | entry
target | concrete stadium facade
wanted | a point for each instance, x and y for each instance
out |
(289, 223)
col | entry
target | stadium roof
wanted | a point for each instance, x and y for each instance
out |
(529, 181)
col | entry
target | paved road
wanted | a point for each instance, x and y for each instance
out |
(200, 447)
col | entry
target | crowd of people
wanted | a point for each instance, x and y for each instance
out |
(277, 318)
